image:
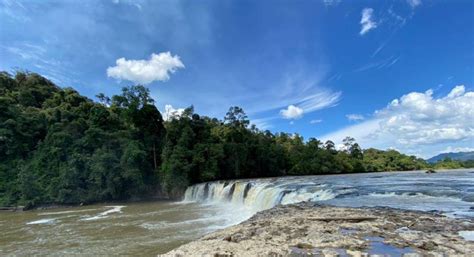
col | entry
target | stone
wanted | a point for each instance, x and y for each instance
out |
(308, 229)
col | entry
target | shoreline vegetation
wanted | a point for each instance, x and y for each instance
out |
(58, 147)
(308, 229)
(163, 199)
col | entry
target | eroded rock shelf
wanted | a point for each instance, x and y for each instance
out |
(307, 229)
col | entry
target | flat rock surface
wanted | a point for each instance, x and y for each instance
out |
(307, 229)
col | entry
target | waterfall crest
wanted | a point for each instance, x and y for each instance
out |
(258, 194)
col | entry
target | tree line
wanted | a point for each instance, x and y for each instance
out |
(59, 147)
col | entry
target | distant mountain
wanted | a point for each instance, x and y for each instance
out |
(461, 156)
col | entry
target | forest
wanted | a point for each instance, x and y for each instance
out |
(58, 147)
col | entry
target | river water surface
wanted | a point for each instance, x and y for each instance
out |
(150, 228)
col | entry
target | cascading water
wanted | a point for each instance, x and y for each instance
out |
(451, 193)
(256, 195)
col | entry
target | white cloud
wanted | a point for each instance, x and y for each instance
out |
(315, 121)
(172, 113)
(157, 68)
(419, 118)
(367, 21)
(354, 117)
(414, 3)
(457, 91)
(292, 112)
(418, 123)
(451, 149)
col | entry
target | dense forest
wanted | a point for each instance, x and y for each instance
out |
(59, 147)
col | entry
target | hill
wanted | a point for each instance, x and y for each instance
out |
(460, 156)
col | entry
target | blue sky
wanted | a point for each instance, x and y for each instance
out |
(392, 74)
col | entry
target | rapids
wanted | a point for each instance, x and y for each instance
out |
(448, 192)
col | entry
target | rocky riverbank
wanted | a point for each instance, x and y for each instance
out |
(307, 229)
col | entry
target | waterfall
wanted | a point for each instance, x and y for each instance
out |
(257, 194)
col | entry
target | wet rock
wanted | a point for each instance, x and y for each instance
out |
(429, 246)
(225, 254)
(247, 189)
(235, 238)
(304, 246)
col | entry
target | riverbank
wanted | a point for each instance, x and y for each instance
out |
(310, 229)
(160, 196)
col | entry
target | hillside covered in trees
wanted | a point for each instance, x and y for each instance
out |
(459, 156)
(57, 146)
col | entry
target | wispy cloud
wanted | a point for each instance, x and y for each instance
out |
(397, 17)
(355, 117)
(134, 3)
(318, 101)
(27, 51)
(40, 58)
(315, 121)
(14, 10)
(298, 89)
(331, 2)
(367, 21)
(381, 46)
(414, 3)
(263, 123)
(385, 63)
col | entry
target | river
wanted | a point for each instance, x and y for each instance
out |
(150, 228)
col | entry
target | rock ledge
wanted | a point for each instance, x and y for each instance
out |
(307, 229)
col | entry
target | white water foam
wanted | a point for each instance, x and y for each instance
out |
(64, 212)
(417, 195)
(256, 196)
(297, 197)
(115, 209)
(42, 221)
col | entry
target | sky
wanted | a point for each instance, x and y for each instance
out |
(392, 74)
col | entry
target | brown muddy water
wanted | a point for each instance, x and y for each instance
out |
(137, 229)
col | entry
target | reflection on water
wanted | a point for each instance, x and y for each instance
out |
(150, 228)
